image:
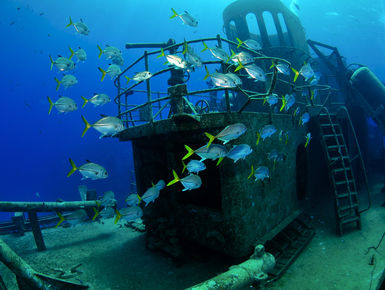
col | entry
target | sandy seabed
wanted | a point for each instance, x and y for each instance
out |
(115, 257)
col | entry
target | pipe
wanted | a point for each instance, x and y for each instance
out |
(240, 276)
(25, 206)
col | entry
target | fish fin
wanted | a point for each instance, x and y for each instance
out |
(139, 198)
(61, 219)
(100, 51)
(283, 103)
(205, 47)
(189, 152)
(240, 66)
(103, 73)
(175, 14)
(311, 95)
(51, 104)
(185, 50)
(259, 137)
(52, 62)
(161, 53)
(211, 139)
(240, 42)
(96, 214)
(264, 100)
(272, 65)
(71, 23)
(251, 173)
(72, 52)
(88, 125)
(58, 83)
(220, 160)
(85, 101)
(184, 166)
(128, 79)
(74, 168)
(207, 73)
(118, 216)
(296, 74)
(175, 180)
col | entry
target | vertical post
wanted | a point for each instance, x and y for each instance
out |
(125, 108)
(219, 40)
(160, 107)
(91, 195)
(119, 104)
(36, 231)
(150, 114)
(18, 221)
(228, 107)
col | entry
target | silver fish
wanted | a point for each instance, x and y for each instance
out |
(62, 63)
(80, 27)
(193, 59)
(215, 151)
(271, 99)
(255, 72)
(229, 133)
(306, 71)
(63, 105)
(195, 166)
(217, 52)
(141, 76)
(239, 152)
(152, 193)
(267, 131)
(97, 100)
(176, 61)
(234, 78)
(113, 71)
(133, 199)
(242, 57)
(80, 54)
(189, 182)
(107, 212)
(290, 101)
(108, 199)
(118, 60)
(67, 81)
(107, 126)
(250, 43)
(110, 52)
(222, 80)
(89, 170)
(261, 173)
(76, 217)
(305, 118)
(187, 18)
(131, 213)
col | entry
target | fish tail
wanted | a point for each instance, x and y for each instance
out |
(74, 168)
(232, 53)
(240, 66)
(96, 214)
(175, 180)
(259, 137)
(184, 166)
(207, 73)
(272, 65)
(175, 14)
(296, 74)
(185, 45)
(205, 47)
(189, 152)
(139, 198)
(51, 104)
(50, 58)
(240, 42)
(283, 103)
(70, 23)
(85, 101)
(61, 219)
(161, 53)
(100, 51)
(220, 160)
(58, 83)
(118, 216)
(251, 173)
(264, 100)
(211, 139)
(88, 125)
(311, 95)
(103, 73)
(72, 52)
(128, 79)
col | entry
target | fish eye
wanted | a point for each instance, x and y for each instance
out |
(105, 173)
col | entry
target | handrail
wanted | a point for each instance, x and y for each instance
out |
(343, 108)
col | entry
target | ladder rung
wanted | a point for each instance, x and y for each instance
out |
(339, 157)
(335, 146)
(328, 125)
(346, 207)
(343, 195)
(337, 170)
(332, 135)
(344, 182)
(350, 219)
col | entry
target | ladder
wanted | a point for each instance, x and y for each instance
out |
(340, 171)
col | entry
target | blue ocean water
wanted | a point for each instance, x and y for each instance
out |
(36, 146)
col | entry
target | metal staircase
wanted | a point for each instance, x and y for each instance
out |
(340, 171)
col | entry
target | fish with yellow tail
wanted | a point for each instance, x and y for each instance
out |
(306, 71)
(230, 132)
(186, 18)
(250, 43)
(108, 126)
(89, 170)
(96, 100)
(266, 132)
(152, 193)
(67, 81)
(111, 52)
(308, 138)
(217, 52)
(80, 54)
(194, 166)
(63, 105)
(281, 67)
(133, 199)
(80, 27)
(191, 181)
(62, 63)
(214, 152)
(76, 217)
(113, 71)
(260, 173)
(130, 214)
